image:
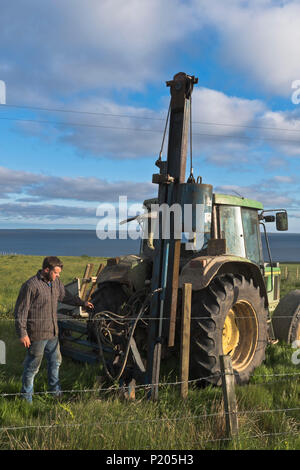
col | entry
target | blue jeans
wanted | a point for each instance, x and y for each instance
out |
(32, 364)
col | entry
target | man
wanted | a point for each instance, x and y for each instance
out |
(36, 323)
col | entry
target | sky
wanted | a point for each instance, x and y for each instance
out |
(86, 103)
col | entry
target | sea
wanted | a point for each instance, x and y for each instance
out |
(284, 247)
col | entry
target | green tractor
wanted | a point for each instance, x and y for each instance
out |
(234, 291)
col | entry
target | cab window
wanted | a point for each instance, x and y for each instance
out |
(252, 235)
(232, 230)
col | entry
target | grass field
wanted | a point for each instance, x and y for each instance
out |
(103, 419)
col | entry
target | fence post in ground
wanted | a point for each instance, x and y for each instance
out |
(185, 338)
(2, 352)
(230, 404)
(297, 273)
(286, 272)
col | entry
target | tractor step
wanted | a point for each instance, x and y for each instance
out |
(68, 323)
(78, 355)
(79, 348)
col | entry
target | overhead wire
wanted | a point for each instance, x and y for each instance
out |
(151, 118)
(137, 129)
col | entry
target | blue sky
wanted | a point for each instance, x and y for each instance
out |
(109, 62)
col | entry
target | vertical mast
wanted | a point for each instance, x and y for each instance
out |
(167, 251)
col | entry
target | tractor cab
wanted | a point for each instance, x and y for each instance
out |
(237, 221)
(228, 225)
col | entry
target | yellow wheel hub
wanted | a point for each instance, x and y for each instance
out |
(240, 334)
(298, 333)
(231, 333)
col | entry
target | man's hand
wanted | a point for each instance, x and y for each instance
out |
(89, 305)
(25, 341)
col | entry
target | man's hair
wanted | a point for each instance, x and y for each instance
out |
(52, 262)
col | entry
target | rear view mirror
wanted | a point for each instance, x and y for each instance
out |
(281, 221)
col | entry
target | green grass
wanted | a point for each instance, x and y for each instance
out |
(292, 281)
(103, 419)
(15, 269)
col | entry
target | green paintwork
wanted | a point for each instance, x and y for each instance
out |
(273, 293)
(237, 201)
(131, 271)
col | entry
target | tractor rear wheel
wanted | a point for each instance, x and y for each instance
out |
(286, 318)
(229, 317)
(114, 325)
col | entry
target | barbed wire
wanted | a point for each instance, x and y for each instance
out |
(113, 388)
(263, 435)
(148, 420)
(120, 388)
(205, 415)
(270, 382)
(256, 436)
(85, 319)
(275, 375)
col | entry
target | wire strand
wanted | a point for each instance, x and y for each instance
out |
(136, 129)
(97, 113)
(148, 420)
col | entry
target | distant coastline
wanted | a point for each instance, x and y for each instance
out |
(94, 230)
(285, 247)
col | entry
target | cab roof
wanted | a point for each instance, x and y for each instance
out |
(224, 199)
(231, 200)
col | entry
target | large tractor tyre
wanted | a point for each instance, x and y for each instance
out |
(106, 330)
(229, 317)
(286, 318)
(115, 330)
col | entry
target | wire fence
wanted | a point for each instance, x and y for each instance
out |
(291, 411)
(259, 380)
(290, 272)
(148, 420)
(116, 388)
(130, 319)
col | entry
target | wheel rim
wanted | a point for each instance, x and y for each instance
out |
(298, 333)
(240, 334)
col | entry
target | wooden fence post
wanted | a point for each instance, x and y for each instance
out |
(229, 397)
(89, 293)
(2, 352)
(84, 283)
(185, 339)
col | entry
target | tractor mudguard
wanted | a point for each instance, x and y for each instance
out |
(200, 271)
(131, 271)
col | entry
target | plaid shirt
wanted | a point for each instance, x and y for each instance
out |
(36, 307)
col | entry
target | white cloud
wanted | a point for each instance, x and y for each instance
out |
(259, 38)
(224, 128)
(281, 130)
(24, 211)
(215, 107)
(120, 133)
(12, 181)
(74, 46)
(284, 179)
(40, 187)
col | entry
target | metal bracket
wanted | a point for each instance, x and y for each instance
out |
(162, 179)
